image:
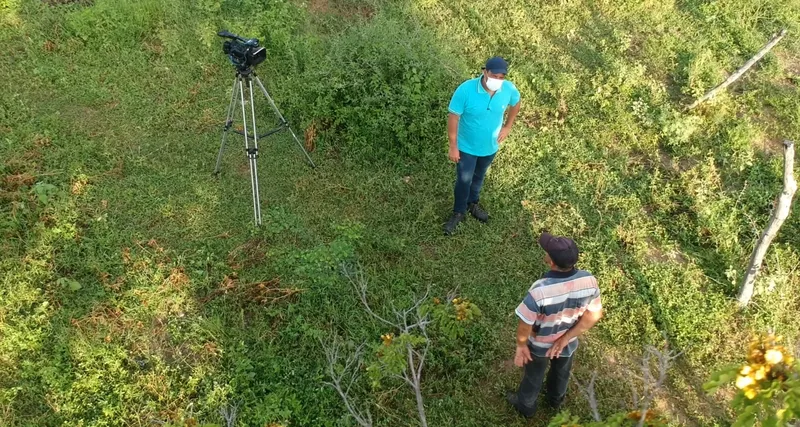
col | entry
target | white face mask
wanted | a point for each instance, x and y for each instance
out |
(493, 84)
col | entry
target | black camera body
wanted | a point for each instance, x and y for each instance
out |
(243, 53)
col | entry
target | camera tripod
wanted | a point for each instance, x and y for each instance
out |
(244, 80)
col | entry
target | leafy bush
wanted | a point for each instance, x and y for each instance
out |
(768, 384)
(381, 90)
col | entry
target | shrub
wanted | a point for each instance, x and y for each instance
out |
(768, 384)
(381, 90)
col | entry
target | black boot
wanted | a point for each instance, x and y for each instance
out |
(452, 223)
(513, 400)
(477, 211)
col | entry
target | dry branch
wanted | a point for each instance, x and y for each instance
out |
(343, 379)
(779, 215)
(588, 392)
(266, 292)
(229, 413)
(735, 76)
(650, 384)
(407, 321)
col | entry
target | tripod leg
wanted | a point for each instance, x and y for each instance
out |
(227, 127)
(283, 120)
(248, 150)
(254, 158)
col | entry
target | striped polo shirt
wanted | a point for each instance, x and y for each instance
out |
(554, 304)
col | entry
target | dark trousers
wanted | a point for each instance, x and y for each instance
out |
(470, 172)
(531, 385)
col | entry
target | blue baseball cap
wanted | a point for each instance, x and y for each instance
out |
(497, 65)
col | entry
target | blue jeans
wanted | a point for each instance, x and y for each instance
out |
(531, 385)
(470, 172)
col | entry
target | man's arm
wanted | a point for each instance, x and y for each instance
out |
(524, 331)
(510, 117)
(523, 354)
(452, 136)
(587, 320)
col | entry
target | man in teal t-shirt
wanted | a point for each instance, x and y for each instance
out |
(475, 129)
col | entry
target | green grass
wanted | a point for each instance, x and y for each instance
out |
(115, 234)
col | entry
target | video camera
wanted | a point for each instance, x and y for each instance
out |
(243, 53)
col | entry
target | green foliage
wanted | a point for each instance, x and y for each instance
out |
(129, 276)
(449, 321)
(392, 356)
(698, 73)
(768, 385)
(380, 91)
(108, 23)
(452, 317)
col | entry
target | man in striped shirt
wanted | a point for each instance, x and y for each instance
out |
(557, 309)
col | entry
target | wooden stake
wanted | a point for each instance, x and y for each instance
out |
(735, 76)
(779, 215)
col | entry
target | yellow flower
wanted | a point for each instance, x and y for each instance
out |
(773, 357)
(761, 373)
(742, 382)
(455, 300)
(746, 369)
(751, 393)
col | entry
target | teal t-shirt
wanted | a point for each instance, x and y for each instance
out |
(481, 115)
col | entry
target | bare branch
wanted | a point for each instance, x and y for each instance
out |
(453, 293)
(420, 300)
(229, 414)
(417, 386)
(588, 392)
(652, 384)
(349, 375)
(735, 76)
(779, 215)
(406, 321)
(404, 376)
(360, 284)
(422, 321)
(422, 356)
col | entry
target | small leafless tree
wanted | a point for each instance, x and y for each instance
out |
(644, 390)
(229, 414)
(588, 393)
(342, 380)
(406, 321)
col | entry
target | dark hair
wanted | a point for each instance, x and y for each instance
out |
(563, 267)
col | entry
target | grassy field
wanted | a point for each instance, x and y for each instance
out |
(129, 274)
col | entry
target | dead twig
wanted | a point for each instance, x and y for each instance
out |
(409, 320)
(343, 379)
(735, 76)
(229, 414)
(266, 292)
(649, 383)
(588, 392)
